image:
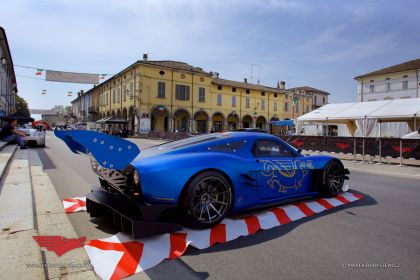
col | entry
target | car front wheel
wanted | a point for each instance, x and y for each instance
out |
(333, 179)
(206, 201)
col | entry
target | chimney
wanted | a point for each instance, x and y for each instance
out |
(145, 57)
(281, 85)
(245, 80)
(216, 75)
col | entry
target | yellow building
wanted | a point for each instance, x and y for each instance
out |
(175, 96)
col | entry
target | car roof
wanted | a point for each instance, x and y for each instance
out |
(249, 134)
(252, 129)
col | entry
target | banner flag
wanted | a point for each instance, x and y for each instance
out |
(39, 71)
(71, 77)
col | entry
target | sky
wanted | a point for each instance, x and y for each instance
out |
(322, 44)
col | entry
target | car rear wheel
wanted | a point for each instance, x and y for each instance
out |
(333, 179)
(206, 201)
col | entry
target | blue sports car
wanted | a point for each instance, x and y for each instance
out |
(197, 181)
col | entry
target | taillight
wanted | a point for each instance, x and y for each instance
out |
(136, 177)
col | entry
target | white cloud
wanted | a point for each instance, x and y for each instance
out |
(360, 50)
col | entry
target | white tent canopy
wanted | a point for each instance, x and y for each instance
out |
(363, 115)
(322, 113)
(398, 109)
(386, 109)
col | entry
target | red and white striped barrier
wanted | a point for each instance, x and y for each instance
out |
(120, 256)
(75, 204)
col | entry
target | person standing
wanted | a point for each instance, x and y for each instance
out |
(10, 133)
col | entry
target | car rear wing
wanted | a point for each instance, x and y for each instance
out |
(109, 151)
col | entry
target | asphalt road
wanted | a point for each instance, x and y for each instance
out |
(382, 228)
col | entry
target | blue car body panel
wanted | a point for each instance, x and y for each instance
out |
(166, 170)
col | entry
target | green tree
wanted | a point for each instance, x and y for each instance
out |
(59, 109)
(68, 110)
(21, 106)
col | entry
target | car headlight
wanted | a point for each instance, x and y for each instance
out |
(136, 177)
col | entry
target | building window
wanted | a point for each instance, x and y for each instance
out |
(119, 95)
(247, 91)
(125, 93)
(286, 107)
(405, 85)
(182, 92)
(323, 100)
(113, 96)
(219, 87)
(371, 88)
(307, 99)
(201, 94)
(297, 107)
(315, 99)
(262, 104)
(233, 101)
(161, 90)
(263, 93)
(275, 105)
(247, 102)
(388, 86)
(275, 95)
(219, 100)
(131, 90)
(307, 108)
(233, 89)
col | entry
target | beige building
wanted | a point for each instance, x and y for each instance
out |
(319, 97)
(395, 82)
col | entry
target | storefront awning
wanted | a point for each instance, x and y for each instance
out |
(282, 123)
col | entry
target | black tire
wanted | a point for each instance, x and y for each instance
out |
(332, 179)
(206, 201)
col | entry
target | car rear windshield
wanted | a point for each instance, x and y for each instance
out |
(194, 140)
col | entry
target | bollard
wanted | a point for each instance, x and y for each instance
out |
(363, 150)
(380, 151)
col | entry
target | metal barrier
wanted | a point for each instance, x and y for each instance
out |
(371, 147)
(366, 147)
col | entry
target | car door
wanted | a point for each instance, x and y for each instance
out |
(282, 172)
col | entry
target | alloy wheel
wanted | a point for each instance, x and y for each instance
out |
(210, 199)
